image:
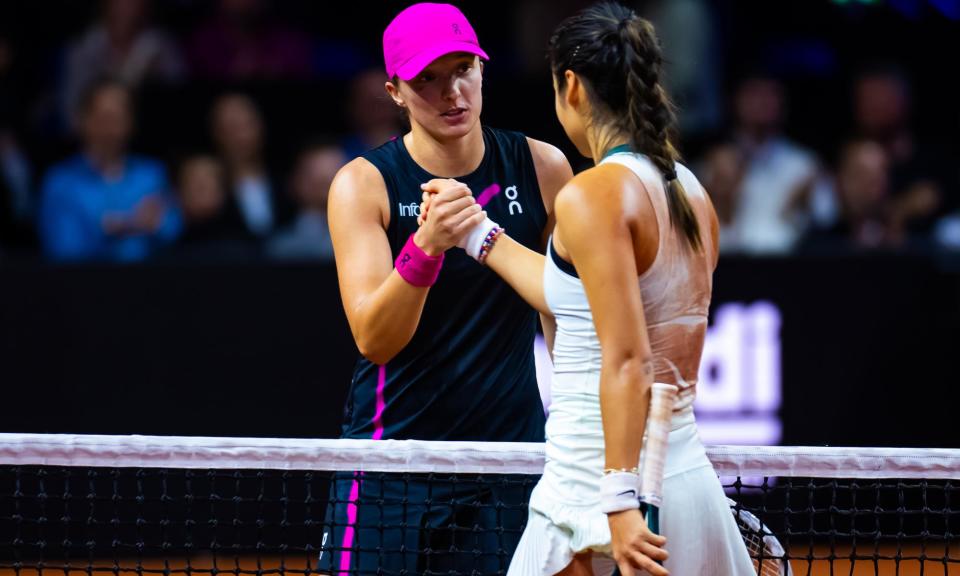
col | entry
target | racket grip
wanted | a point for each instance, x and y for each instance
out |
(660, 415)
(652, 514)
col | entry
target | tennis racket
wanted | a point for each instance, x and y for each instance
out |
(654, 455)
(766, 552)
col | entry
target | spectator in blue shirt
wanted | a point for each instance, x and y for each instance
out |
(104, 203)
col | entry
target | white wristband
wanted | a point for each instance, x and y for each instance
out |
(473, 241)
(619, 491)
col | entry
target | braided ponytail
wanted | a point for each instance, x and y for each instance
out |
(651, 119)
(618, 56)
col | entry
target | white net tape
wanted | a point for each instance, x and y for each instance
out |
(459, 457)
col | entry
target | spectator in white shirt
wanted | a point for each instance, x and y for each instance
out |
(238, 131)
(772, 207)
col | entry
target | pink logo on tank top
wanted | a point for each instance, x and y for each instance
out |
(487, 195)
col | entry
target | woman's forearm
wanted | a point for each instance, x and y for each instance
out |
(624, 400)
(521, 268)
(386, 320)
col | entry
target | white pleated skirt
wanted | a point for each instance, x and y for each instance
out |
(565, 517)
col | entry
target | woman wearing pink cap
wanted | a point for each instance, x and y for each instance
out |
(447, 345)
(629, 280)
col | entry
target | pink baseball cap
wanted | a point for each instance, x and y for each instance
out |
(424, 32)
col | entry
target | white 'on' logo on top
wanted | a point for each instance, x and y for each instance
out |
(511, 194)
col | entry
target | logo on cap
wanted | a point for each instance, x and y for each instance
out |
(456, 29)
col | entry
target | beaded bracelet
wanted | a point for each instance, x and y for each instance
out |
(488, 243)
(634, 470)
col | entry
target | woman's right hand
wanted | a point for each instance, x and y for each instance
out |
(635, 547)
(453, 213)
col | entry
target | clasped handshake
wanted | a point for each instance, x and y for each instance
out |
(450, 216)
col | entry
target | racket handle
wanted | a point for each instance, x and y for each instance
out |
(652, 514)
(659, 418)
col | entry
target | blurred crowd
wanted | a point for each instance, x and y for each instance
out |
(106, 202)
(880, 187)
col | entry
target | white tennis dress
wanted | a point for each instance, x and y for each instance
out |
(565, 517)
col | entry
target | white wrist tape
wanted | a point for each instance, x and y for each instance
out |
(619, 491)
(473, 241)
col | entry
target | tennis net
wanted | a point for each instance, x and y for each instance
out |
(100, 505)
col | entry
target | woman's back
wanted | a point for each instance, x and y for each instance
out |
(675, 290)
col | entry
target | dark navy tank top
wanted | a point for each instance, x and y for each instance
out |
(468, 373)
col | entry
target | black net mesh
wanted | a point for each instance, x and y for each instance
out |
(69, 520)
(849, 526)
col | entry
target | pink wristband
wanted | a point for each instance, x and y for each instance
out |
(416, 266)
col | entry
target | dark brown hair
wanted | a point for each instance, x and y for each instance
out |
(617, 56)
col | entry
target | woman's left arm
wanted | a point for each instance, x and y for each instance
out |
(599, 219)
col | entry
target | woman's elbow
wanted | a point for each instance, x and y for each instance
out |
(378, 339)
(633, 370)
(377, 350)
(374, 351)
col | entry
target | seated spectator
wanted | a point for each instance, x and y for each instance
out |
(882, 109)
(202, 195)
(211, 230)
(122, 45)
(721, 174)
(308, 238)
(104, 203)
(374, 118)
(771, 210)
(862, 185)
(243, 41)
(238, 133)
